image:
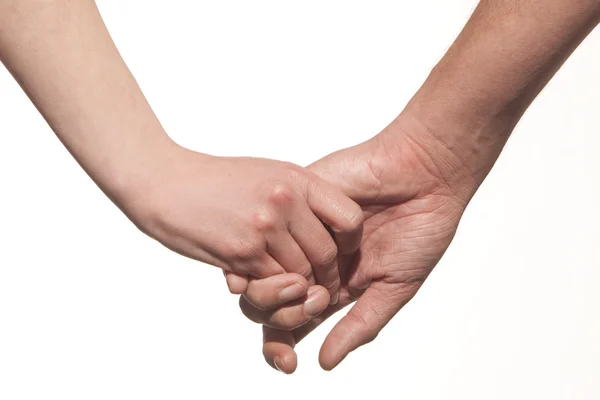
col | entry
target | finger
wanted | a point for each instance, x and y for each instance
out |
(293, 314)
(302, 331)
(236, 283)
(270, 293)
(319, 248)
(278, 350)
(286, 251)
(342, 214)
(279, 344)
(260, 268)
(373, 310)
(331, 167)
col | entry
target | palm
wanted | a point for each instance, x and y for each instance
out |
(410, 219)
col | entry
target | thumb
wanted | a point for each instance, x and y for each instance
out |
(373, 310)
(336, 170)
(352, 171)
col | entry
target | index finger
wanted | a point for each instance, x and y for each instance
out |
(339, 212)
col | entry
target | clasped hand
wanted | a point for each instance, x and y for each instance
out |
(410, 212)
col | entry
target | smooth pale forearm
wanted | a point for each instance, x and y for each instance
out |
(475, 96)
(62, 55)
(253, 217)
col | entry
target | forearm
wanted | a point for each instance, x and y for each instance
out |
(63, 57)
(500, 62)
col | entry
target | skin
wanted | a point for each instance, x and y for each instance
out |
(414, 180)
(410, 219)
(254, 217)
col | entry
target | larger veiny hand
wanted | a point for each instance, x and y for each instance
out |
(254, 217)
(411, 208)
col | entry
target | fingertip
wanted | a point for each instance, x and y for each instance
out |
(356, 217)
(335, 298)
(281, 357)
(373, 310)
(350, 241)
(317, 300)
(352, 219)
(298, 280)
(286, 364)
(334, 349)
(345, 337)
(335, 208)
(328, 362)
(237, 284)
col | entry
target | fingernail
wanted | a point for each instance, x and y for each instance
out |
(313, 305)
(334, 299)
(277, 362)
(291, 292)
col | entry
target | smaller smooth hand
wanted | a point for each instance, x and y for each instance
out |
(255, 217)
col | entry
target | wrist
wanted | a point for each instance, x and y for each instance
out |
(131, 173)
(464, 113)
(459, 150)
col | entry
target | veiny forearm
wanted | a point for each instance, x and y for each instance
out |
(503, 58)
(63, 57)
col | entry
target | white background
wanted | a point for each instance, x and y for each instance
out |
(92, 309)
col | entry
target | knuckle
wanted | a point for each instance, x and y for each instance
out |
(265, 221)
(352, 220)
(292, 169)
(334, 285)
(328, 255)
(355, 219)
(305, 270)
(296, 174)
(357, 319)
(280, 195)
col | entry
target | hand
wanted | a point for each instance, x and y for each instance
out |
(255, 217)
(411, 214)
